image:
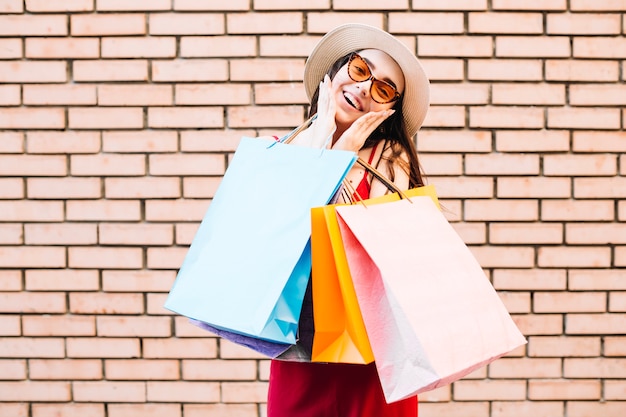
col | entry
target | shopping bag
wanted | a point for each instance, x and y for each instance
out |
(430, 313)
(340, 334)
(249, 263)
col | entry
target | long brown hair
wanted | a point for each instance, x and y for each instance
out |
(392, 131)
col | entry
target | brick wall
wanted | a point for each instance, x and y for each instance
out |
(117, 119)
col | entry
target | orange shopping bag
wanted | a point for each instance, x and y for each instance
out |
(340, 335)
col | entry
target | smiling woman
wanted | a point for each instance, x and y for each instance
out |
(370, 95)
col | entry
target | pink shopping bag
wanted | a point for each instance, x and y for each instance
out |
(430, 313)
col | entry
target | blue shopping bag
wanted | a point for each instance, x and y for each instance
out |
(249, 262)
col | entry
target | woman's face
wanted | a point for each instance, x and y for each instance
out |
(353, 98)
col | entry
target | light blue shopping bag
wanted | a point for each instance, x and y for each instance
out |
(249, 263)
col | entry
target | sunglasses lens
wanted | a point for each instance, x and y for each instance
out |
(358, 69)
(382, 92)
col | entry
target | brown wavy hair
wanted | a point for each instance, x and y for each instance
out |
(392, 131)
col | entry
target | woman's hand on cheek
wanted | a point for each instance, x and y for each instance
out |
(324, 125)
(355, 136)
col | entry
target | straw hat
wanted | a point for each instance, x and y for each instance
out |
(354, 37)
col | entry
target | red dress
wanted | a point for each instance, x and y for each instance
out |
(303, 389)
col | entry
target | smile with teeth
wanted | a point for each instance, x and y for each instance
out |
(352, 101)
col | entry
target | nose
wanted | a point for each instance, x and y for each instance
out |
(365, 87)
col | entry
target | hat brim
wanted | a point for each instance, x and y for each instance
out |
(354, 37)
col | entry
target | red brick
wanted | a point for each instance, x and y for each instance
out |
(11, 48)
(528, 94)
(532, 141)
(35, 302)
(444, 69)
(590, 5)
(613, 187)
(230, 350)
(12, 6)
(11, 188)
(209, 5)
(576, 210)
(516, 302)
(614, 390)
(11, 280)
(565, 302)
(32, 118)
(58, 325)
(109, 391)
(103, 210)
(451, 94)
(219, 370)
(459, 187)
(522, 233)
(165, 258)
(176, 348)
(143, 187)
(433, 22)
(154, 410)
(544, 324)
(102, 347)
(139, 47)
(212, 140)
(135, 234)
(505, 70)
(33, 71)
(599, 47)
(10, 326)
(564, 389)
(503, 257)
(584, 256)
(533, 187)
(213, 94)
(489, 390)
(135, 95)
(185, 233)
(29, 347)
(59, 234)
(106, 303)
(496, 22)
(50, 48)
(580, 165)
(442, 164)
(261, 23)
(557, 5)
(501, 164)
(31, 211)
(594, 408)
(107, 165)
(279, 93)
(35, 165)
(13, 369)
(617, 302)
(596, 323)
(61, 280)
(597, 94)
(527, 408)
(561, 346)
(454, 46)
(139, 141)
(445, 116)
(62, 142)
(533, 46)
(59, 94)
(286, 45)
(453, 409)
(33, 25)
(450, 5)
(188, 392)
(137, 281)
(106, 118)
(240, 392)
(185, 117)
(583, 24)
(131, 326)
(186, 24)
(68, 409)
(615, 346)
(535, 279)
(10, 95)
(64, 6)
(218, 46)
(32, 257)
(196, 70)
(99, 257)
(594, 279)
(220, 410)
(506, 117)
(266, 69)
(63, 188)
(65, 369)
(595, 233)
(11, 142)
(266, 116)
(445, 141)
(598, 141)
(110, 70)
(154, 305)
(525, 368)
(137, 5)
(141, 369)
(501, 210)
(108, 24)
(36, 391)
(581, 70)
(594, 367)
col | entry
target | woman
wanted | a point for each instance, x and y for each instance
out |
(370, 95)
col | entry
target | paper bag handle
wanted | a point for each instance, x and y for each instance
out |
(380, 177)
